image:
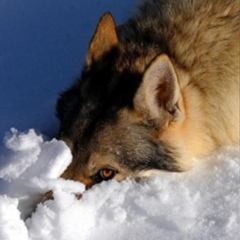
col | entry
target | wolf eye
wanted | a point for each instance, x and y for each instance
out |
(106, 174)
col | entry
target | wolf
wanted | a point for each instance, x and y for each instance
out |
(155, 92)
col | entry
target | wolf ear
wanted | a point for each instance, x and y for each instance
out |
(159, 92)
(104, 39)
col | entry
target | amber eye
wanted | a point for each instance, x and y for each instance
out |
(106, 174)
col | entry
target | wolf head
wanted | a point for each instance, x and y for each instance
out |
(120, 118)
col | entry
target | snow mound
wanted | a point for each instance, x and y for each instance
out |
(30, 166)
(200, 204)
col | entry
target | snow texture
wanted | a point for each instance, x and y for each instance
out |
(200, 204)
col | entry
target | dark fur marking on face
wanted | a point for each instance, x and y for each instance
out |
(103, 90)
(149, 155)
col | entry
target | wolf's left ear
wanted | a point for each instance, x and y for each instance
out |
(159, 93)
(104, 39)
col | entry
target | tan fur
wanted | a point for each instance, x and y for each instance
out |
(208, 76)
(210, 98)
(103, 40)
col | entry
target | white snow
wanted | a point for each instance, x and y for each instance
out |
(200, 204)
(10, 222)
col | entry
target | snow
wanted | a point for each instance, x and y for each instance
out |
(199, 204)
(10, 222)
(42, 46)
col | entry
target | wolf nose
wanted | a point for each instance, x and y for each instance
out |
(86, 181)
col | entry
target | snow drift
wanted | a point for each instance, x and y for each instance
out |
(200, 204)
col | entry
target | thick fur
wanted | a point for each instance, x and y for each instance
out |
(155, 92)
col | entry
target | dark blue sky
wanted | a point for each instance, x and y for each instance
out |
(42, 48)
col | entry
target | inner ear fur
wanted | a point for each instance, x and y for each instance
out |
(105, 38)
(159, 93)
